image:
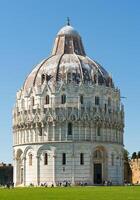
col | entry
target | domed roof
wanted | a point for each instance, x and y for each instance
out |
(68, 63)
(68, 30)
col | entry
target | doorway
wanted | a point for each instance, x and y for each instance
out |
(97, 173)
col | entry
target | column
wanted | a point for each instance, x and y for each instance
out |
(91, 131)
(37, 170)
(20, 136)
(119, 136)
(17, 137)
(106, 134)
(73, 130)
(31, 135)
(14, 171)
(54, 156)
(103, 133)
(53, 138)
(17, 172)
(60, 132)
(95, 132)
(73, 165)
(85, 131)
(47, 131)
(111, 134)
(66, 131)
(36, 130)
(42, 136)
(14, 141)
(79, 130)
(24, 136)
(24, 168)
(27, 136)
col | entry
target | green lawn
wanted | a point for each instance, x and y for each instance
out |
(72, 193)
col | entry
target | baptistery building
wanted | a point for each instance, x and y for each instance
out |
(68, 120)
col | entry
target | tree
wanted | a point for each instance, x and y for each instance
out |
(134, 155)
(138, 154)
(126, 155)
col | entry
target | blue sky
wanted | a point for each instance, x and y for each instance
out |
(111, 35)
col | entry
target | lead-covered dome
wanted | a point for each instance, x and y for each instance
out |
(68, 30)
(68, 63)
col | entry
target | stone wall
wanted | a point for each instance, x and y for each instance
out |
(73, 171)
(135, 167)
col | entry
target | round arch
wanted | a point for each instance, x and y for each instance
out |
(43, 148)
(27, 149)
(99, 164)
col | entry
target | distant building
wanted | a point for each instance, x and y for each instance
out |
(6, 173)
(68, 120)
(135, 167)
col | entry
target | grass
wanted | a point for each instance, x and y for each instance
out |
(72, 193)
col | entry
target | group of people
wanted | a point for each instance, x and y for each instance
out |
(7, 185)
(65, 183)
(107, 183)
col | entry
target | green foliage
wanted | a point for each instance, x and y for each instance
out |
(126, 155)
(138, 154)
(134, 155)
(72, 193)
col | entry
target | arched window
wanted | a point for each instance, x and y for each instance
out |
(109, 101)
(45, 159)
(69, 77)
(97, 100)
(64, 159)
(30, 159)
(69, 128)
(98, 131)
(81, 159)
(81, 99)
(116, 134)
(105, 108)
(120, 160)
(95, 78)
(33, 101)
(23, 103)
(40, 130)
(110, 81)
(63, 99)
(47, 99)
(112, 159)
(97, 154)
(42, 78)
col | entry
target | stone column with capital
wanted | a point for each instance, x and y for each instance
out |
(24, 171)
(54, 157)
(53, 138)
(14, 170)
(37, 170)
(60, 132)
(73, 165)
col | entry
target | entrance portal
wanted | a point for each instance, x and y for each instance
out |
(98, 173)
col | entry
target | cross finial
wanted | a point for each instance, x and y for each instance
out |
(68, 21)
